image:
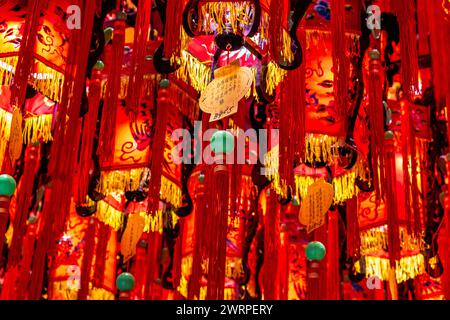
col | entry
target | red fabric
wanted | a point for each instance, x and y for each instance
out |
(23, 203)
(109, 113)
(340, 60)
(405, 11)
(87, 139)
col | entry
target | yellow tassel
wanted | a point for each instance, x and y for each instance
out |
(120, 181)
(109, 215)
(274, 76)
(170, 192)
(406, 268)
(193, 71)
(47, 81)
(320, 148)
(36, 128)
(61, 291)
(5, 131)
(225, 16)
(343, 186)
(7, 67)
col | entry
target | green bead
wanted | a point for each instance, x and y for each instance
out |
(295, 201)
(222, 142)
(164, 83)
(442, 198)
(99, 65)
(125, 281)
(7, 185)
(121, 15)
(388, 135)
(108, 32)
(315, 250)
(374, 54)
(201, 177)
(32, 219)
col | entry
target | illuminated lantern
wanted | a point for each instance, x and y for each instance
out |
(222, 142)
(315, 250)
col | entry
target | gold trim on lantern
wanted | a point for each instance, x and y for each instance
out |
(5, 131)
(343, 186)
(193, 71)
(61, 290)
(375, 240)
(406, 268)
(36, 128)
(7, 67)
(47, 81)
(274, 76)
(320, 148)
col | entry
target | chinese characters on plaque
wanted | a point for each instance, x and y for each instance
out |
(222, 95)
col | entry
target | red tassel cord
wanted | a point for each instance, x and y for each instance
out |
(218, 233)
(439, 37)
(26, 52)
(164, 106)
(174, 22)
(353, 237)
(139, 265)
(104, 233)
(316, 271)
(23, 203)
(178, 256)
(333, 273)
(153, 253)
(340, 61)
(405, 12)
(109, 113)
(4, 217)
(283, 266)
(271, 247)
(199, 240)
(87, 138)
(141, 32)
(277, 20)
(390, 201)
(376, 120)
(86, 264)
(28, 252)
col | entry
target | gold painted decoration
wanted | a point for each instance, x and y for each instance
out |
(316, 204)
(15, 139)
(231, 83)
(133, 231)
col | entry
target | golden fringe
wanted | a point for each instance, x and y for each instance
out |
(47, 81)
(148, 85)
(193, 71)
(120, 181)
(109, 215)
(319, 38)
(343, 186)
(5, 131)
(375, 240)
(7, 67)
(286, 53)
(233, 267)
(170, 192)
(37, 127)
(229, 293)
(62, 290)
(224, 15)
(320, 148)
(115, 218)
(274, 76)
(406, 268)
